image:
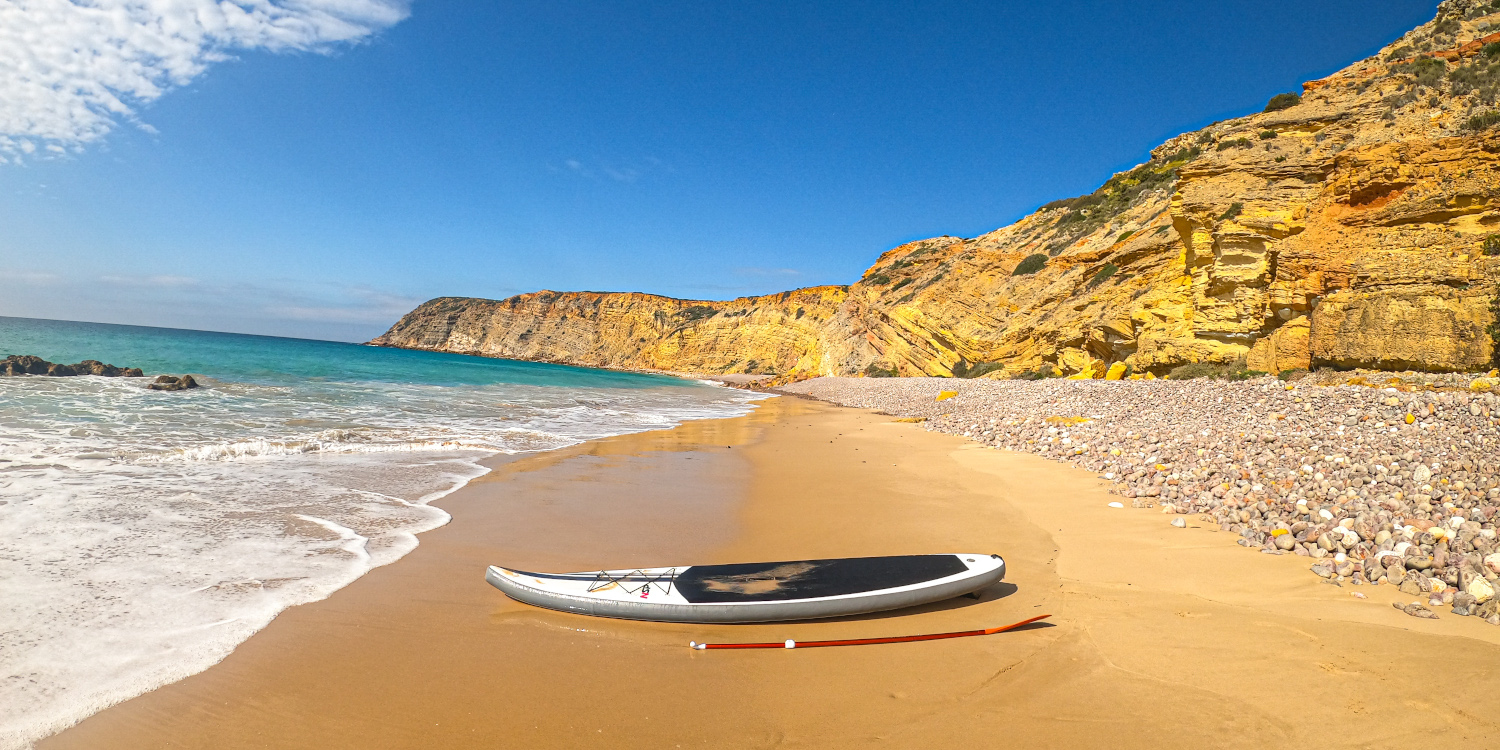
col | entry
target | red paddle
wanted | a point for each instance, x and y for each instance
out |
(868, 641)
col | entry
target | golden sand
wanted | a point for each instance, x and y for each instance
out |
(1159, 637)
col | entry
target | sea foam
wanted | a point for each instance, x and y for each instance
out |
(144, 535)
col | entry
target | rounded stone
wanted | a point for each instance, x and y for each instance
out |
(1481, 590)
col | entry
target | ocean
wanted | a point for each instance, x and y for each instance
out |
(144, 534)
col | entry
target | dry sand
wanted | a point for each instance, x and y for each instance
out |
(1161, 637)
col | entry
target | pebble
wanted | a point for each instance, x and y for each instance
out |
(1415, 610)
(1464, 604)
(1481, 590)
(1411, 503)
(1117, 505)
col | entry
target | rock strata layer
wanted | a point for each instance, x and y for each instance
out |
(1394, 485)
(1355, 226)
(29, 365)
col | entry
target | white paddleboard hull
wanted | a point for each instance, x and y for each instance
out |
(667, 594)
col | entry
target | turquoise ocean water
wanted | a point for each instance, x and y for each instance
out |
(144, 534)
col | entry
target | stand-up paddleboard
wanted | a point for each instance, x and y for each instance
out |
(755, 592)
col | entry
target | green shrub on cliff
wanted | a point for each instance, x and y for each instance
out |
(1041, 373)
(1480, 76)
(965, 370)
(1428, 71)
(1103, 274)
(1482, 121)
(696, 312)
(1184, 155)
(1195, 370)
(1030, 265)
(1232, 213)
(876, 370)
(1235, 370)
(1282, 101)
(1088, 213)
(1491, 245)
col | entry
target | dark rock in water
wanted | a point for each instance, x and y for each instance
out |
(173, 383)
(25, 364)
(95, 367)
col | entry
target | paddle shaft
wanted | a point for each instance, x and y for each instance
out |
(871, 641)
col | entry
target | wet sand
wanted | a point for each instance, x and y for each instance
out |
(1160, 637)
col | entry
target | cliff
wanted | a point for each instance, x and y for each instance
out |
(778, 333)
(1354, 226)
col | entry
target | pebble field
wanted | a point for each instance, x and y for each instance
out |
(1390, 482)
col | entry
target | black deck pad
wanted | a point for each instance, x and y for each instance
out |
(810, 579)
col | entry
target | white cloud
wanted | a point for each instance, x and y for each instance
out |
(31, 278)
(71, 70)
(773, 272)
(160, 280)
(627, 171)
(625, 174)
(359, 305)
(277, 307)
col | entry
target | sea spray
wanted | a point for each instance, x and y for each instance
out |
(143, 535)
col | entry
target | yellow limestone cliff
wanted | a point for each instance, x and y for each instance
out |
(1355, 226)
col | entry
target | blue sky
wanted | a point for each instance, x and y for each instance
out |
(321, 187)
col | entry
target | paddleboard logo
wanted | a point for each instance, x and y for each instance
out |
(763, 582)
(645, 590)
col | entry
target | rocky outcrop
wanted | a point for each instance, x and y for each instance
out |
(173, 383)
(28, 365)
(774, 334)
(1430, 327)
(1355, 226)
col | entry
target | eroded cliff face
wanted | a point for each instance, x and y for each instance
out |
(778, 333)
(1348, 229)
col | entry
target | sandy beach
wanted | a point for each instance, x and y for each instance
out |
(1159, 636)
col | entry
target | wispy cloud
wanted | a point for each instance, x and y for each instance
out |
(70, 70)
(359, 305)
(279, 307)
(30, 278)
(782, 273)
(158, 281)
(625, 171)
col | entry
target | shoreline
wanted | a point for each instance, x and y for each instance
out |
(1160, 637)
(108, 658)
